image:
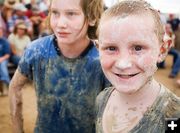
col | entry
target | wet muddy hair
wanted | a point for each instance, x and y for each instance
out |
(134, 7)
(92, 10)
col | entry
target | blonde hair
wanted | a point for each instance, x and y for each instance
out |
(92, 10)
(134, 7)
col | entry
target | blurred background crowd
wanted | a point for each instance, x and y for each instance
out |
(21, 21)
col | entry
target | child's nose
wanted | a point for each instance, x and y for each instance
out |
(62, 22)
(123, 62)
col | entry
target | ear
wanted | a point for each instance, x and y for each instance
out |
(164, 48)
(92, 22)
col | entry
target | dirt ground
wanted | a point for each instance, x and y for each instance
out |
(29, 99)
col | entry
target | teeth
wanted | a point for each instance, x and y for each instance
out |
(127, 76)
(133, 74)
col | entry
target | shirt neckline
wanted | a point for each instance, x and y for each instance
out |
(58, 51)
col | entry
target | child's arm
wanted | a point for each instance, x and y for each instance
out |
(13, 49)
(15, 97)
(5, 57)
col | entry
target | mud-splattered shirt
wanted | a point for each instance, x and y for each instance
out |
(166, 105)
(66, 88)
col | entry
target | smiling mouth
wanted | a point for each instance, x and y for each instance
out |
(126, 76)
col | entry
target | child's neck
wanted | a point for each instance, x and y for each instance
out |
(123, 112)
(74, 50)
(147, 93)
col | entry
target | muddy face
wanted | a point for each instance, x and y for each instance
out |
(129, 50)
(67, 21)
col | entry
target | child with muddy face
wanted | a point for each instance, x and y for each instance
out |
(131, 39)
(65, 70)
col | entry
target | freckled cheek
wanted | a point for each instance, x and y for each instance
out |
(147, 63)
(106, 62)
(77, 26)
(52, 18)
(53, 24)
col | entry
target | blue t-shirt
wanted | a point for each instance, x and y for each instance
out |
(66, 88)
(4, 47)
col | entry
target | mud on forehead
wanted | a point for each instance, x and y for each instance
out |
(142, 17)
(135, 7)
(120, 15)
(139, 20)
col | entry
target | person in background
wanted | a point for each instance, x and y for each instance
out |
(3, 25)
(36, 17)
(136, 103)
(18, 16)
(174, 22)
(6, 13)
(43, 6)
(18, 40)
(65, 70)
(4, 56)
(43, 29)
(175, 53)
(7, 9)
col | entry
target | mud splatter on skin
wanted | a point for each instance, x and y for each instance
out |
(75, 27)
(116, 54)
(120, 60)
(132, 109)
(58, 82)
(165, 106)
(15, 97)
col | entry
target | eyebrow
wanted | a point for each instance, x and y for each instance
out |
(67, 10)
(107, 43)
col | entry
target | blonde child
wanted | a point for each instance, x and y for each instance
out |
(131, 37)
(65, 70)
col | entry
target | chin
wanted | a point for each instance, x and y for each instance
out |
(63, 41)
(127, 89)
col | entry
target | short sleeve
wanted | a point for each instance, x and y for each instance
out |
(26, 63)
(11, 38)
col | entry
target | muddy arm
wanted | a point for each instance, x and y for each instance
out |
(15, 97)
